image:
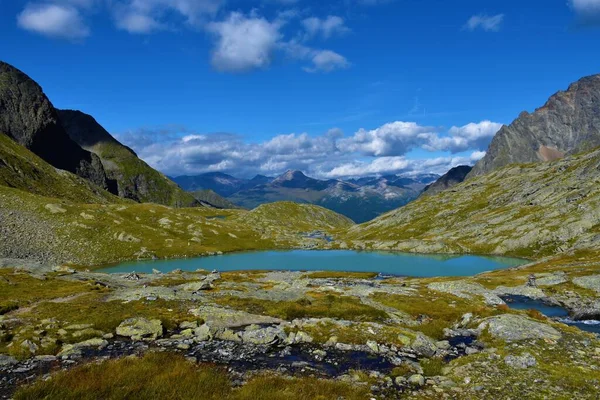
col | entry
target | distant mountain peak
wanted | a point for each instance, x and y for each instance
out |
(291, 175)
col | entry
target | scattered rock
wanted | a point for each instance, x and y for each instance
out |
(588, 282)
(140, 328)
(7, 361)
(75, 350)
(523, 361)
(512, 327)
(416, 380)
(55, 209)
(263, 336)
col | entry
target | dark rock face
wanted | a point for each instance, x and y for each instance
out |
(453, 177)
(28, 117)
(568, 123)
(133, 178)
(85, 130)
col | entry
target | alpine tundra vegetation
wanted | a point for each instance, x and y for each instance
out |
(77, 201)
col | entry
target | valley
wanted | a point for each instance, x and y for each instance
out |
(294, 332)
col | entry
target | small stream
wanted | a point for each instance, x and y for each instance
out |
(551, 311)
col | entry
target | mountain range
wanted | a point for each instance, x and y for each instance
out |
(62, 175)
(359, 199)
(74, 142)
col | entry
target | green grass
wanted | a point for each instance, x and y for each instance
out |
(438, 310)
(21, 289)
(312, 306)
(511, 211)
(358, 333)
(432, 366)
(106, 316)
(22, 169)
(167, 376)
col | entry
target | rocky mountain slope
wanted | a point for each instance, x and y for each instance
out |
(530, 210)
(567, 124)
(135, 179)
(451, 178)
(211, 198)
(29, 118)
(62, 231)
(22, 169)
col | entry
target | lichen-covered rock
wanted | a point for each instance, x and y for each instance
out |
(228, 334)
(512, 327)
(257, 335)
(523, 361)
(140, 328)
(75, 350)
(589, 311)
(466, 290)
(7, 361)
(423, 345)
(588, 282)
(416, 380)
(203, 333)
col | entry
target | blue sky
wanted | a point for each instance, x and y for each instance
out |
(338, 88)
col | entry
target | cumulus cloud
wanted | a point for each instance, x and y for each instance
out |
(382, 150)
(488, 23)
(326, 61)
(390, 139)
(244, 43)
(326, 27)
(471, 136)
(588, 11)
(146, 16)
(61, 21)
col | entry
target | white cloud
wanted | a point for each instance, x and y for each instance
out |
(587, 10)
(147, 16)
(471, 136)
(244, 43)
(137, 23)
(393, 138)
(326, 27)
(488, 23)
(477, 155)
(367, 152)
(326, 61)
(53, 20)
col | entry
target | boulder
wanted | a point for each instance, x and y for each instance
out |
(263, 336)
(75, 350)
(202, 333)
(423, 345)
(7, 361)
(416, 380)
(140, 328)
(29, 345)
(512, 328)
(588, 282)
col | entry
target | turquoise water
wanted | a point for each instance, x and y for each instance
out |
(556, 312)
(386, 263)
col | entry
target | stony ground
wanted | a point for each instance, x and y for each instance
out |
(397, 337)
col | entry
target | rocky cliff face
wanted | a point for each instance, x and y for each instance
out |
(135, 179)
(28, 117)
(452, 178)
(568, 123)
